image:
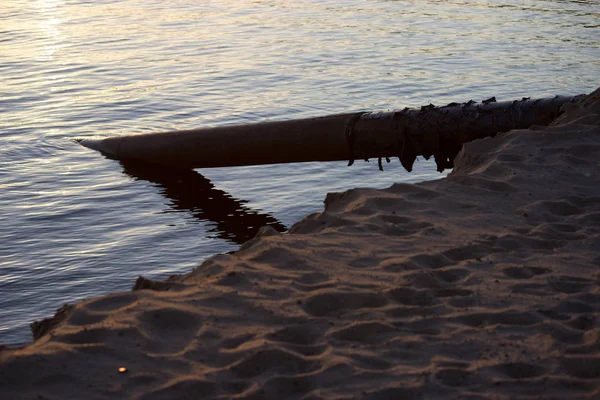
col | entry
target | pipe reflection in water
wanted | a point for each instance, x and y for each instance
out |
(189, 191)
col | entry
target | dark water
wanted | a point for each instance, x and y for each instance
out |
(74, 224)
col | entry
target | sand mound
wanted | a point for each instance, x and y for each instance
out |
(485, 284)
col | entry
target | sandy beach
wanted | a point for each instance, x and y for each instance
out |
(484, 284)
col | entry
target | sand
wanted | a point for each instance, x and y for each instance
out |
(485, 284)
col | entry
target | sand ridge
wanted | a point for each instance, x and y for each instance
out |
(485, 284)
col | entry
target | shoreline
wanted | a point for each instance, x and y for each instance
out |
(483, 284)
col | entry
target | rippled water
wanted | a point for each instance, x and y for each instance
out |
(74, 224)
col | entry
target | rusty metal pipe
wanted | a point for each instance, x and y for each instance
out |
(407, 133)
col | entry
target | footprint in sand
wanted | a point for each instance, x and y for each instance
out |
(172, 327)
(307, 340)
(273, 361)
(586, 367)
(297, 334)
(438, 278)
(519, 370)
(454, 377)
(524, 272)
(365, 332)
(569, 284)
(329, 302)
(413, 297)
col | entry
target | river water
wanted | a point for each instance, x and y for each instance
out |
(74, 224)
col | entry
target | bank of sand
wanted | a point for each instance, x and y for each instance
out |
(485, 284)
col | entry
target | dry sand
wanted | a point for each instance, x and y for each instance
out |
(485, 284)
